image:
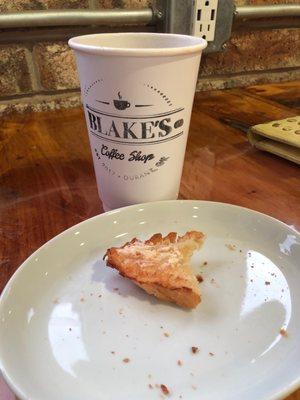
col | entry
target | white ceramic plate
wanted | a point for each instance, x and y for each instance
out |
(67, 322)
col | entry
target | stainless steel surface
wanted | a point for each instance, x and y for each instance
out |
(33, 19)
(266, 23)
(270, 11)
(63, 33)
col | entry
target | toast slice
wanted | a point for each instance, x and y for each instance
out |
(160, 266)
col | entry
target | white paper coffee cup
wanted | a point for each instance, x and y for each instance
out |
(137, 91)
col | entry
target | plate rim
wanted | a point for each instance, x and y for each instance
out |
(280, 395)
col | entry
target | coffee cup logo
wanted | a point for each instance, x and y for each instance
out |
(163, 123)
(121, 104)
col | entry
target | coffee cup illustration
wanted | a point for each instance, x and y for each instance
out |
(121, 104)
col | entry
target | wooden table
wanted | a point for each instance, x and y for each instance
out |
(47, 179)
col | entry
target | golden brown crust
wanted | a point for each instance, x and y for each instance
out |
(160, 265)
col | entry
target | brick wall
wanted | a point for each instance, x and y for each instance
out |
(37, 71)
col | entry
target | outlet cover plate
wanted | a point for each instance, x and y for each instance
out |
(178, 17)
(204, 19)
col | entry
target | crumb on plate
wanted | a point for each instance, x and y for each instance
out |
(199, 278)
(164, 389)
(179, 362)
(194, 349)
(230, 246)
(166, 334)
(126, 360)
(213, 282)
(283, 332)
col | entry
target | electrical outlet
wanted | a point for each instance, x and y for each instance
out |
(211, 19)
(204, 19)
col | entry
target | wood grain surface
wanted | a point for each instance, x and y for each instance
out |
(47, 182)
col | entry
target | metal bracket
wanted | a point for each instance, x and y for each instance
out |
(176, 17)
(224, 22)
(175, 14)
